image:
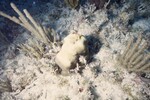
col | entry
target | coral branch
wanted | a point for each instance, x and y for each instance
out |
(134, 58)
(27, 21)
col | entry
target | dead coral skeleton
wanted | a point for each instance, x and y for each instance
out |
(27, 21)
(134, 58)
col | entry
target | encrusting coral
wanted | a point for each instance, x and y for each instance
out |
(134, 58)
(74, 45)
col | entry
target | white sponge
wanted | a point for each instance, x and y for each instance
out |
(74, 45)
